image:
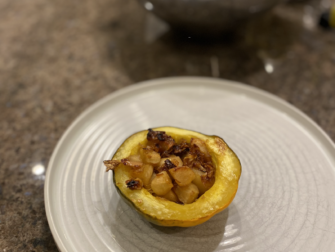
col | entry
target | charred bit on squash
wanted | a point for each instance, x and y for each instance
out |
(134, 184)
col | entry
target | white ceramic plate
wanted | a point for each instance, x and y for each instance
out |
(286, 199)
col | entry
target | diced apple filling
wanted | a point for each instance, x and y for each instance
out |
(179, 172)
(182, 175)
(161, 184)
(149, 156)
(201, 181)
(201, 145)
(187, 194)
(144, 173)
(171, 196)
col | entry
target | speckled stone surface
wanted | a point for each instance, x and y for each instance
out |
(59, 57)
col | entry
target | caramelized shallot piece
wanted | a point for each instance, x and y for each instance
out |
(197, 165)
(160, 142)
(189, 159)
(180, 149)
(111, 164)
(157, 135)
(132, 164)
(199, 158)
(165, 166)
(173, 159)
(210, 170)
(167, 163)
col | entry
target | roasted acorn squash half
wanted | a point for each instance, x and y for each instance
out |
(167, 213)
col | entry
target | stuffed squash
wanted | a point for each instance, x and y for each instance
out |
(175, 177)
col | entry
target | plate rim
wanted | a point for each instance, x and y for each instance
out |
(262, 95)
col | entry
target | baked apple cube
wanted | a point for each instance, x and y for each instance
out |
(144, 173)
(187, 194)
(201, 144)
(171, 196)
(201, 181)
(149, 156)
(161, 184)
(182, 175)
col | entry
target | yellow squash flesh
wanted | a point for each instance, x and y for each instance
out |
(167, 213)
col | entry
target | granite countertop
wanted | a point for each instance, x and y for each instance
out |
(59, 57)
